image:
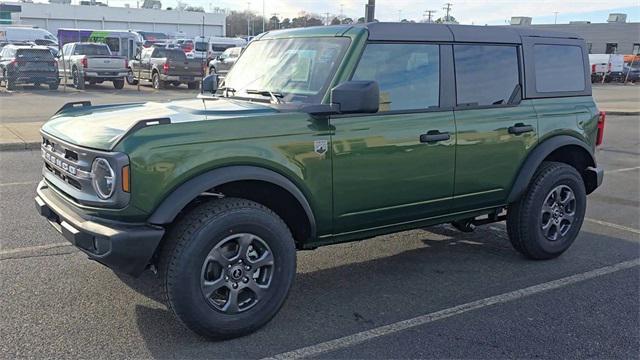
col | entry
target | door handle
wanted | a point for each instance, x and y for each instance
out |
(434, 136)
(520, 128)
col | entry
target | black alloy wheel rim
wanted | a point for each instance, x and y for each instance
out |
(558, 212)
(237, 273)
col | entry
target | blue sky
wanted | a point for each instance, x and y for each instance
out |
(479, 12)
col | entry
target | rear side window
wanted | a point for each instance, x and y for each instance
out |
(486, 74)
(558, 68)
(408, 74)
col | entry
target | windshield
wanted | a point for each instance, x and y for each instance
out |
(298, 69)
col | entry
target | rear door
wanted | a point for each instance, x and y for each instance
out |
(495, 127)
(396, 166)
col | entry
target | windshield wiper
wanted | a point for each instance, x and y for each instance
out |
(275, 96)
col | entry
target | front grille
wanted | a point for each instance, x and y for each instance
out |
(68, 168)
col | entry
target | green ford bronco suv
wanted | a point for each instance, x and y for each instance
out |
(320, 136)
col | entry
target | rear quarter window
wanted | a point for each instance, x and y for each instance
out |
(558, 68)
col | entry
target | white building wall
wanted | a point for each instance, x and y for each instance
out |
(55, 16)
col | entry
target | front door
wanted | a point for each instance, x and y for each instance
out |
(496, 128)
(397, 165)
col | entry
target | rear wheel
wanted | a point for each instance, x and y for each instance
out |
(157, 83)
(54, 85)
(78, 79)
(131, 80)
(118, 84)
(10, 82)
(175, 83)
(192, 85)
(227, 267)
(547, 219)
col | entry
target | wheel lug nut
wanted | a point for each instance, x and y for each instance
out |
(226, 278)
(229, 266)
(247, 267)
(240, 261)
(235, 285)
(246, 279)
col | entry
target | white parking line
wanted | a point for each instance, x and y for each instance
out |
(360, 337)
(612, 225)
(622, 170)
(34, 248)
(19, 183)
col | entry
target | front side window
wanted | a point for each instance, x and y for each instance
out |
(486, 74)
(558, 68)
(408, 74)
(297, 69)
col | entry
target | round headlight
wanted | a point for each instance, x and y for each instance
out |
(102, 178)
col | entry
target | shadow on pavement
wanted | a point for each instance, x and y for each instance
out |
(346, 299)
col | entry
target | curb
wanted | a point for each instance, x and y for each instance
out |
(19, 146)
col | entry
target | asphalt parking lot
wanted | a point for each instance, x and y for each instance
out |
(431, 293)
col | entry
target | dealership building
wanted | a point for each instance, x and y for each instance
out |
(94, 15)
(616, 36)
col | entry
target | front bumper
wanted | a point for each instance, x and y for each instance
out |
(125, 248)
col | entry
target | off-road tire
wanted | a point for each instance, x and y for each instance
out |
(524, 217)
(131, 79)
(189, 241)
(118, 84)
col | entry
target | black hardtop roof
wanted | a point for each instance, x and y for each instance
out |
(387, 31)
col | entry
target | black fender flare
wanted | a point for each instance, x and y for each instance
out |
(537, 156)
(169, 208)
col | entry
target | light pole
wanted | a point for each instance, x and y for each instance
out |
(248, 19)
(555, 21)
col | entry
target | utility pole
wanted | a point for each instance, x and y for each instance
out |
(399, 15)
(248, 19)
(555, 21)
(341, 11)
(370, 11)
(327, 17)
(263, 18)
(277, 21)
(447, 7)
(429, 14)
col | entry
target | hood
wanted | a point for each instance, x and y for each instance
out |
(102, 127)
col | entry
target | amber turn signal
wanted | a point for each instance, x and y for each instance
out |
(125, 179)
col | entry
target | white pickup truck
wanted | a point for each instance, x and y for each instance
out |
(93, 63)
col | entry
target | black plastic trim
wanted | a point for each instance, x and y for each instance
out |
(537, 156)
(171, 206)
(72, 105)
(125, 248)
(141, 125)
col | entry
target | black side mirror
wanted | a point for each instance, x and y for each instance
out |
(210, 84)
(353, 97)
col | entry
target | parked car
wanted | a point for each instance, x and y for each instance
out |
(164, 66)
(15, 33)
(28, 64)
(212, 46)
(92, 63)
(223, 63)
(326, 135)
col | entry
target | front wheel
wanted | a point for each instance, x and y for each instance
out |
(131, 80)
(227, 267)
(548, 217)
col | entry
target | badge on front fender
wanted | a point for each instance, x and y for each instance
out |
(320, 146)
